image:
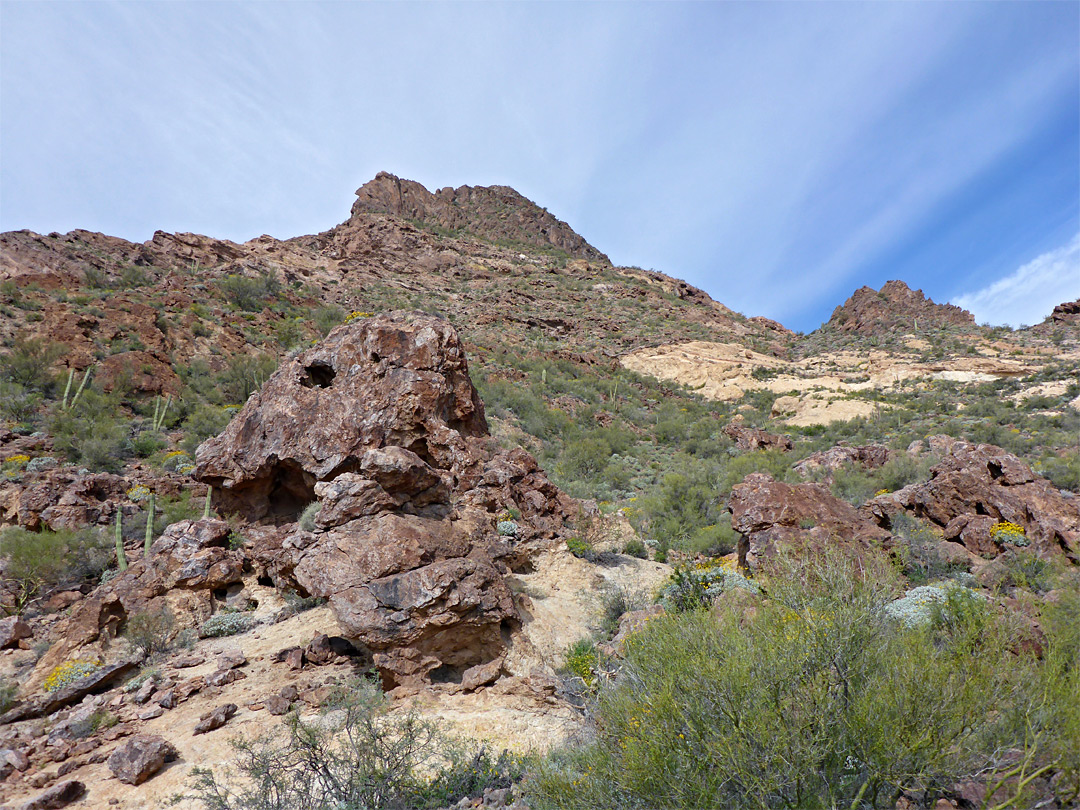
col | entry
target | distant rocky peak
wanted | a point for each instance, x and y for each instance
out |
(895, 308)
(497, 213)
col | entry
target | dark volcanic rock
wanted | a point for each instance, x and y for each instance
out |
(870, 457)
(12, 630)
(770, 514)
(746, 438)
(1067, 312)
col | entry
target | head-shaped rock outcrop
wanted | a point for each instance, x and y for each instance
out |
(380, 426)
(397, 380)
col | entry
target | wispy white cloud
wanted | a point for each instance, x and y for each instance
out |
(1031, 293)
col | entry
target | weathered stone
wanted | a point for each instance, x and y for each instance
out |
(277, 705)
(12, 630)
(770, 514)
(231, 658)
(222, 677)
(869, 457)
(151, 713)
(90, 684)
(977, 485)
(746, 438)
(140, 758)
(215, 719)
(15, 758)
(59, 795)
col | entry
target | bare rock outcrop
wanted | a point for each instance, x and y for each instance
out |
(747, 438)
(494, 212)
(976, 486)
(895, 308)
(382, 427)
(770, 514)
(826, 462)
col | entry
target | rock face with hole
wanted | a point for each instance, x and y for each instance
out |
(381, 427)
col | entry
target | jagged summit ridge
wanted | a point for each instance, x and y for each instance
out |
(895, 307)
(497, 213)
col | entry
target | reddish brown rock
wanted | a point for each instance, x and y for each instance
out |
(770, 514)
(12, 630)
(140, 758)
(215, 719)
(977, 486)
(482, 210)
(746, 438)
(397, 380)
(383, 426)
(895, 308)
(826, 462)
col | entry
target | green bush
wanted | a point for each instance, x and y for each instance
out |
(205, 421)
(327, 317)
(8, 690)
(814, 699)
(249, 294)
(29, 363)
(151, 631)
(582, 661)
(18, 403)
(93, 432)
(635, 548)
(36, 562)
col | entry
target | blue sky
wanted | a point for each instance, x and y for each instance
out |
(778, 155)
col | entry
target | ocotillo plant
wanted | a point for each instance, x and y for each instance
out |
(121, 558)
(149, 528)
(159, 413)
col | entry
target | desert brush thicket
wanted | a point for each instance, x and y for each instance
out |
(813, 697)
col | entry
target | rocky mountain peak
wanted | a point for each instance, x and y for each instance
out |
(895, 307)
(497, 213)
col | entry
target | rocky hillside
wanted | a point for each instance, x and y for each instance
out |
(448, 443)
(895, 307)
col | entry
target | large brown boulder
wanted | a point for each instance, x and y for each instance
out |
(824, 463)
(976, 486)
(771, 515)
(381, 428)
(140, 758)
(398, 380)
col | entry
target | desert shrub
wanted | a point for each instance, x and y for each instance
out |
(205, 421)
(582, 661)
(93, 432)
(246, 293)
(97, 721)
(290, 333)
(917, 549)
(8, 690)
(244, 375)
(147, 443)
(37, 562)
(28, 362)
(1025, 570)
(1063, 471)
(147, 674)
(937, 605)
(296, 603)
(696, 585)
(854, 485)
(307, 517)
(683, 503)
(151, 631)
(580, 547)
(716, 540)
(356, 755)
(67, 673)
(17, 402)
(327, 317)
(615, 601)
(635, 548)
(224, 624)
(814, 699)
(506, 528)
